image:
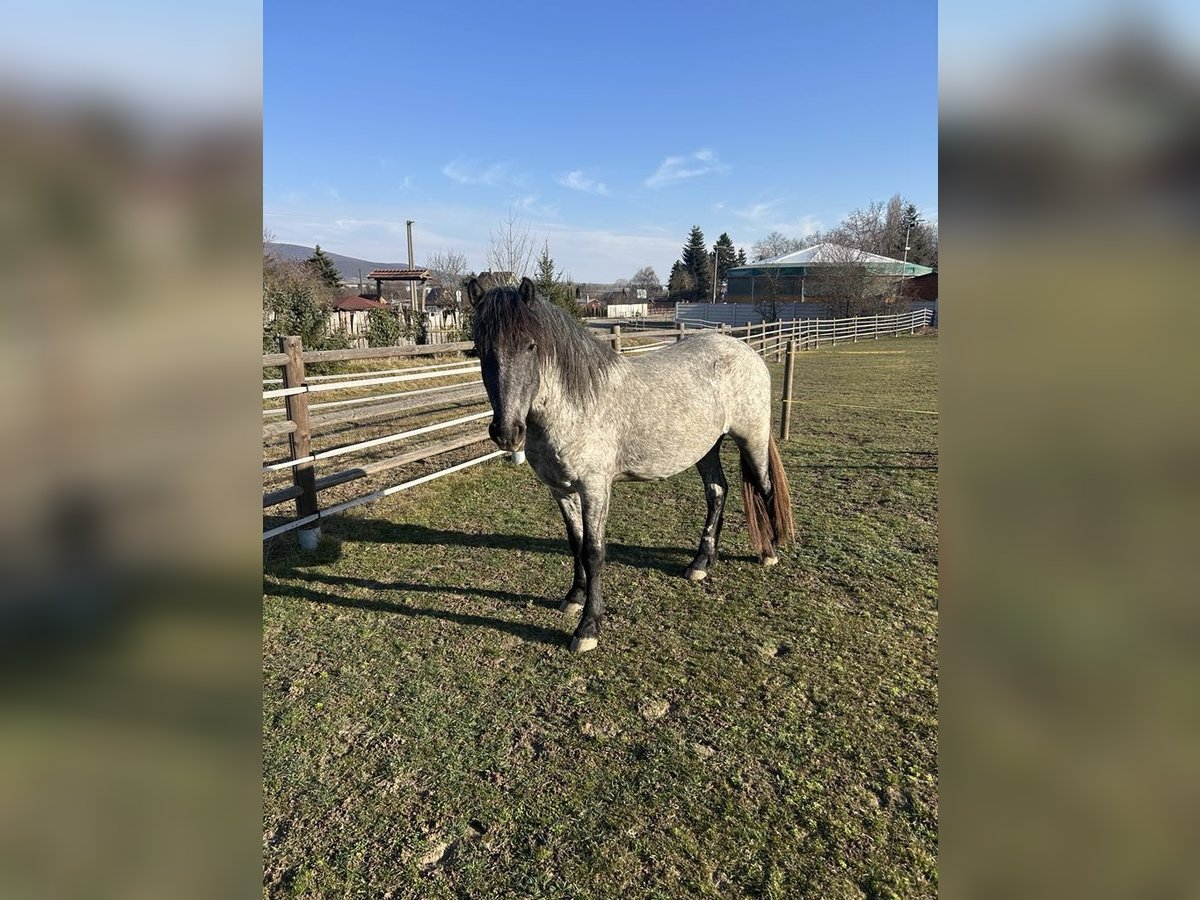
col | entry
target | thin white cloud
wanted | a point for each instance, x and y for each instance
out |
(577, 181)
(675, 169)
(757, 212)
(798, 228)
(469, 172)
(529, 203)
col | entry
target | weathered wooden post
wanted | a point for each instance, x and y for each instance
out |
(616, 331)
(789, 370)
(299, 441)
(681, 327)
(855, 339)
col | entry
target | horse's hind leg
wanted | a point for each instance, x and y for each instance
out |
(715, 489)
(572, 512)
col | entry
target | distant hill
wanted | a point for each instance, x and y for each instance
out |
(348, 266)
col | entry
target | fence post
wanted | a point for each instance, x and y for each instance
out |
(299, 441)
(785, 415)
(681, 327)
(876, 326)
(912, 324)
(616, 344)
(855, 339)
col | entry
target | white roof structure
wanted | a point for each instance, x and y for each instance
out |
(831, 254)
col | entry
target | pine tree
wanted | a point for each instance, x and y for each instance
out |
(557, 288)
(725, 256)
(545, 272)
(323, 267)
(741, 257)
(696, 261)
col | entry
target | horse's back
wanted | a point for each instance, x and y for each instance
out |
(679, 401)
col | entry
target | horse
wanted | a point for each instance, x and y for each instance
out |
(586, 416)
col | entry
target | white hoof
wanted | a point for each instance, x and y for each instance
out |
(570, 609)
(771, 561)
(583, 645)
(695, 574)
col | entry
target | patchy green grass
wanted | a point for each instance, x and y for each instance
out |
(767, 732)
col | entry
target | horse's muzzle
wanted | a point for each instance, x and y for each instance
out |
(510, 437)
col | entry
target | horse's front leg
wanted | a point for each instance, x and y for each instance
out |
(572, 512)
(594, 496)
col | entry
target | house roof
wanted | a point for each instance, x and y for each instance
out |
(354, 304)
(830, 254)
(399, 274)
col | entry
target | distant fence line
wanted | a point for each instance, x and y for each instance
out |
(769, 339)
(749, 314)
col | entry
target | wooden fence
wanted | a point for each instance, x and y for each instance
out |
(303, 413)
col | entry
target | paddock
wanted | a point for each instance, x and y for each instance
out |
(767, 731)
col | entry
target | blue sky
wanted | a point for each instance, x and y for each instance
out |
(610, 129)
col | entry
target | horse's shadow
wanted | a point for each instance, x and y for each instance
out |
(670, 561)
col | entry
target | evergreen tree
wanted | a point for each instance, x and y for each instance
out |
(383, 328)
(557, 288)
(323, 267)
(680, 284)
(724, 255)
(545, 272)
(696, 261)
(741, 257)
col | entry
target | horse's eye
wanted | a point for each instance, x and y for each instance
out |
(532, 346)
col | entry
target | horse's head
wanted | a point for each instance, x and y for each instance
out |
(506, 341)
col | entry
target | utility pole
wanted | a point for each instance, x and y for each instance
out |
(904, 267)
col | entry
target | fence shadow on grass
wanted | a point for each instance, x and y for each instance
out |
(522, 630)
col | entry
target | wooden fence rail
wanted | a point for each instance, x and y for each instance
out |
(772, 340)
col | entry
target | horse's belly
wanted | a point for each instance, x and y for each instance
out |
(666, 452)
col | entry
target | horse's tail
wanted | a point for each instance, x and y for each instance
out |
(768, 519)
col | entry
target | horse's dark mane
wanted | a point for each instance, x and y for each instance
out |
(503, 319)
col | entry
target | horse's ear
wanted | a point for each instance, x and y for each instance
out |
(527, 290)
(474, 291)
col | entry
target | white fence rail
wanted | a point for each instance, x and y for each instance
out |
(770, 339)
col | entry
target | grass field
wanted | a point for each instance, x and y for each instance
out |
(767, 732)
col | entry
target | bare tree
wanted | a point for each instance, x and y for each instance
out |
(447, 272)
(645, 277)
(777, 244)
(770, 291)
(846, 285)
(512, 248)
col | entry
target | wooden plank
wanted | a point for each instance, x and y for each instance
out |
(415, 455)
(274, 498)
(274, 430)
(385, 352)
(476, 393)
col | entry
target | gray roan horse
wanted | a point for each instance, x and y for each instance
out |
(586, 417)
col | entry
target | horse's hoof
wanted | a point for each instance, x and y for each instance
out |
(583, 645)
(771, 561)
(695, 574)
(570, 608)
